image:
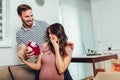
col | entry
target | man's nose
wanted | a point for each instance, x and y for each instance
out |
(30, 18)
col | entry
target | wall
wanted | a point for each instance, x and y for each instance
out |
(49, 12)
(106, 20)
(106, 23)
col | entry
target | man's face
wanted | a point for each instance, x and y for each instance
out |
(27, 18)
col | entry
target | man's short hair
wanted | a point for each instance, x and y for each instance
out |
(23, 7)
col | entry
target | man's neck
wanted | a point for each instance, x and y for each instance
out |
(27, 27)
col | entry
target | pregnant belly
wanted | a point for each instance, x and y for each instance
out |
(50, 74)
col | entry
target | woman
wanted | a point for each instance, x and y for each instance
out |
(55, 55)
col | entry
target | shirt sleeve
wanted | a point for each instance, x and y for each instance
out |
(19, 41)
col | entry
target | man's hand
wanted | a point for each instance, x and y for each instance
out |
(21, 55)
(24, 53)
(71, 44)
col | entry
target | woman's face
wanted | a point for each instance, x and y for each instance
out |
(53, 36)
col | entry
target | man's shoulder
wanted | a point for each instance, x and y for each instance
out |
(19, 30)
(40, 22)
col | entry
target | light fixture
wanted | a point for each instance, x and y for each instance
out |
(40, 2)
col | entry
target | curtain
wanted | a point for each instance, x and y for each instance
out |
(75, 15)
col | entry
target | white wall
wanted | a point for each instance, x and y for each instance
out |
(49, 12)
(106, 20)
(106, 23)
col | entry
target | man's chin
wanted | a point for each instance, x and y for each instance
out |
(30, 25)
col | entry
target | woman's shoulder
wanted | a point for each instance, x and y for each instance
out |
(44, 47)
(44, 44)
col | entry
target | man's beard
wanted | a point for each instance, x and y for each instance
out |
(27, 24)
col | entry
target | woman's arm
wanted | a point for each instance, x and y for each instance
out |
(35, 66)
(62, 63)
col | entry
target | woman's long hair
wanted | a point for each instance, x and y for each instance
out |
(58, 30)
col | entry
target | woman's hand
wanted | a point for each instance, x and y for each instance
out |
(55, 44)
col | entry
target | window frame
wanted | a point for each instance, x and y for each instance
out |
(5, 28)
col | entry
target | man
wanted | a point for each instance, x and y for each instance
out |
(31, 30)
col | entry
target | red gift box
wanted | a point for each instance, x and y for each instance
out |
(33, 47)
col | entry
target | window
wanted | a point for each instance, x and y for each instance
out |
(4, 31)
(0, 20)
